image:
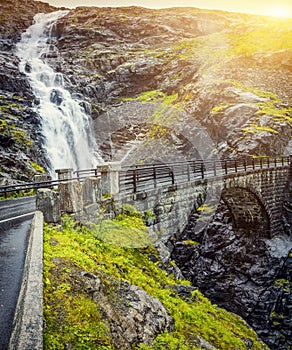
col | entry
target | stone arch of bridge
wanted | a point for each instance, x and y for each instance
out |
(247, 210)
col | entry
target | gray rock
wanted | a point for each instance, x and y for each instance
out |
(242, 273)
(48, 202)
(184, 291)
(134, 317)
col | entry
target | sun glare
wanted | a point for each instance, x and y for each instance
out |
(278, 12)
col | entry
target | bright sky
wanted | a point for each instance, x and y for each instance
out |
(280, 8)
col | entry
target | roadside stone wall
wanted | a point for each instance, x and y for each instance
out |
(167, 209)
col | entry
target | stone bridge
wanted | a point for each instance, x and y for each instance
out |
(254, 191)
(255, 199)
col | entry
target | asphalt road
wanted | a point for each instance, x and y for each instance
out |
(16, 207)
(15, 221)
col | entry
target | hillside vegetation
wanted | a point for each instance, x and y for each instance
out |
(75, 306)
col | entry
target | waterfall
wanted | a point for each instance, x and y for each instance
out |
(67, 129)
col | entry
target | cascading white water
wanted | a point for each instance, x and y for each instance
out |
(67, 129)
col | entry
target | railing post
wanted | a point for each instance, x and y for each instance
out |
(49, 203)
(110, 174)
(77, 174)
(268, 161)
(275, 161)
(244, 164)
(70, 192)
(202, 170)
(253, 165)
(135, 180)
(154, 176)
(214, 168)
(261, 163)
(189, 172)
(225, 165)
(172, 175)
(235, 165)
(64, 174)
(45, 178)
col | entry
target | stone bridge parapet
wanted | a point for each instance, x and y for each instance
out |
(255, 197)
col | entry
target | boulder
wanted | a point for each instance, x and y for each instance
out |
(133, 315)
(48, 202)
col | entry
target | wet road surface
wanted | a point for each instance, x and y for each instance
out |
(14, 235)
(16, 207)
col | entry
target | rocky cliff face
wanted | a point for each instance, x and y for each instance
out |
(229, 73)
(159, 81)
(21, 142)
(242, 272)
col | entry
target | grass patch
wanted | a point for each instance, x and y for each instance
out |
(72, 318)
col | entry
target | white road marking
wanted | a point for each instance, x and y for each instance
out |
(17, 217)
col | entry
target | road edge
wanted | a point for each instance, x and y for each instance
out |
(27, 329)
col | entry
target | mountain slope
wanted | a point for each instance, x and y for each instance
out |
(229, 72)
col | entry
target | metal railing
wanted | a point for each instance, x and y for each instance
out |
(80, 175)
(140, 178)
(85, 173)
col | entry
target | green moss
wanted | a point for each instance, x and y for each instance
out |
(269, 36)
(165, 116)
(220, 107)
(20, 136)
(156, 96)
(277, 316)
(80, 324)
(256, 91)
(9, 107)
(205, 208)
(37, 167)
(72, 318)
(3, 125)
(279, 114)
(253, 128)
(283, 283)
(125, 231)
(106, 195)
(211, 51)
(190, 242)
(149, 217)
(9, 129)
(275, 114)
(19, 194)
